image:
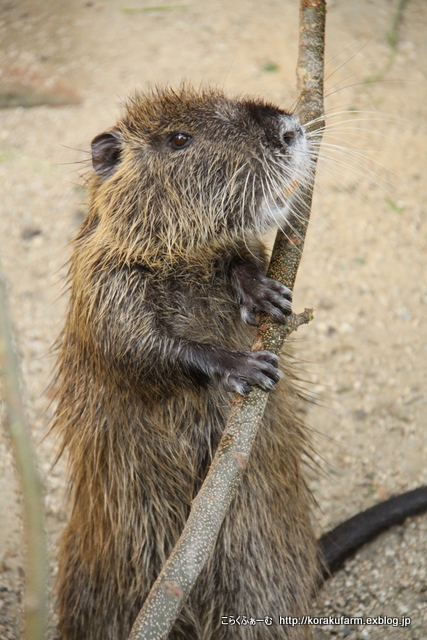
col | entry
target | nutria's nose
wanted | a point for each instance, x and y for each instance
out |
(288, 137)
(291, 131)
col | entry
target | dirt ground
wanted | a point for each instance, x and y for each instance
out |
(364, 268)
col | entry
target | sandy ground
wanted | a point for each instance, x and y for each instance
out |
(364, 267)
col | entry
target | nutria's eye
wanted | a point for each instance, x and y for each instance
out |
(180, 140)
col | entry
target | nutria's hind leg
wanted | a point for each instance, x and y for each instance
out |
(185, 630)
(91, 605)
(95, 604)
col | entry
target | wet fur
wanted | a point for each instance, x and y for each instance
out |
(156, 337)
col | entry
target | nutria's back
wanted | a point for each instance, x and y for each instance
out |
(165, 276)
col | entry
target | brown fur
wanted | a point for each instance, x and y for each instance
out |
(141, 409)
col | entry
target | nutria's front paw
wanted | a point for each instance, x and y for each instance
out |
(248, 368)
(269, 296)
(255, 292)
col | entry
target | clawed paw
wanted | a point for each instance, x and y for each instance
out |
(250, 368)
(266, 295)
(256, 292)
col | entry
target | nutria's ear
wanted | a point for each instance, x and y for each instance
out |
(106, 149)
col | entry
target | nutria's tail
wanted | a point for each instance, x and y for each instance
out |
(340, 543)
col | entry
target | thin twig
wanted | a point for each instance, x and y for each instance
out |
(32, 496)
(198, 538)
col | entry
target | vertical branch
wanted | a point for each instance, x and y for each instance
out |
(288, 249)
(197, 541)
(32, 499)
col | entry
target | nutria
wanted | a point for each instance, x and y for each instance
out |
(166, 273)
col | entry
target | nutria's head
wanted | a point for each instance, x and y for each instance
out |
(183, 171)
